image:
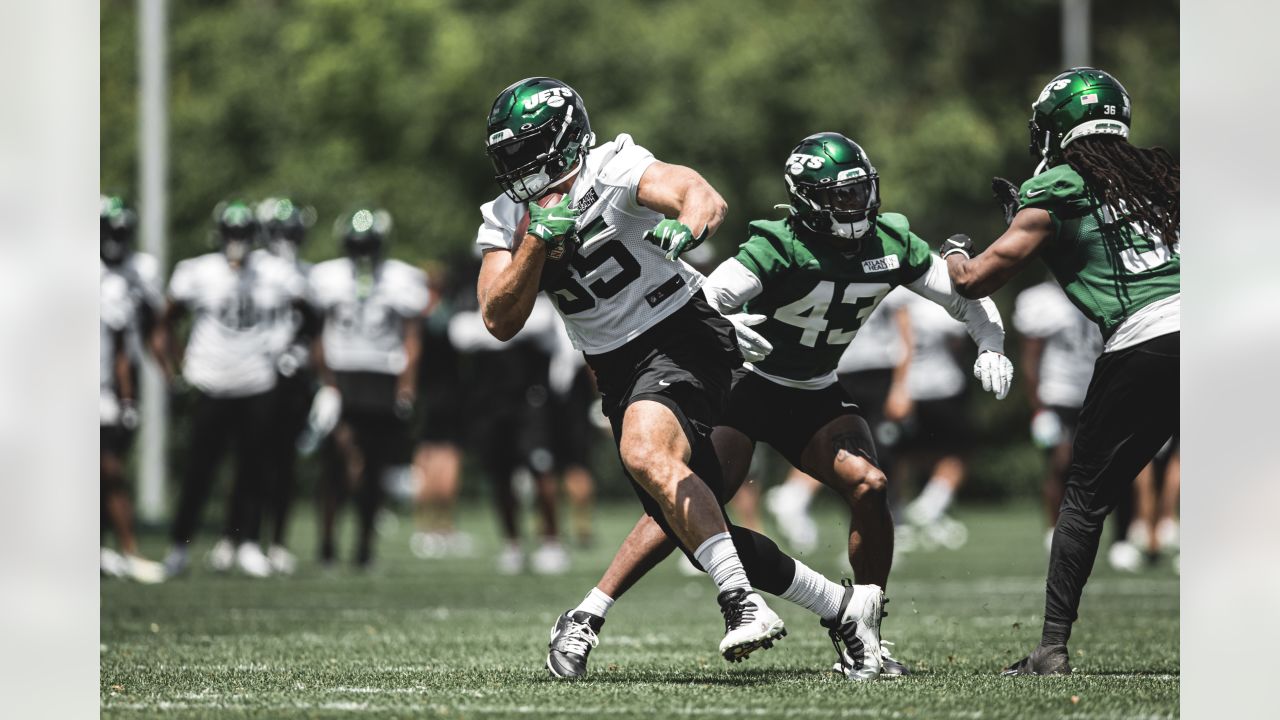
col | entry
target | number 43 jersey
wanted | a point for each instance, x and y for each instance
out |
(618, 284)
(816, 291)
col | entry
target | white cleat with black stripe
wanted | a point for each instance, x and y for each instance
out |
(855, 632)
(749, 624)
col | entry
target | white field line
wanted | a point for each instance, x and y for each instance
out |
(560, 710)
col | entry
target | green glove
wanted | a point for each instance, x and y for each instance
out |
(552, 223)
(675, 237)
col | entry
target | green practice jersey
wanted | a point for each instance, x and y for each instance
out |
(817, 291)
(1108, 266)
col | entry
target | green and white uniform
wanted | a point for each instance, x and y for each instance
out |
(1125, 280)
(817, 290)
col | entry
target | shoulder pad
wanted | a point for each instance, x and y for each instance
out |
(1058, 188)
(895, 224)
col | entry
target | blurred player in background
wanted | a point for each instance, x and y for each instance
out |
(127, 307)
(368, 352)
(237, 298)
(510, 427)
(938, 428)
(1104, 215)
(808, 282)
(437, 459)
(1059, 348)
(284, 228)
(573, 400)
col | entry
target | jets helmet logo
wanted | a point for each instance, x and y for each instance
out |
(798, 162)
(552, 97)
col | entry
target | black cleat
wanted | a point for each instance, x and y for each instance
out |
(571, 641)
(1044, 660)
(889, 665)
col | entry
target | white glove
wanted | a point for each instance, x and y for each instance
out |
(752, 344)
(1046, 429)
(326, 409)
(995, 371)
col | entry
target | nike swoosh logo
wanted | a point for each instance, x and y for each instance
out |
(663, 383)
(845, 404)
(1031, 193)
(557, 217)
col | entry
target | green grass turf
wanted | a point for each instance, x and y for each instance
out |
(451, 639)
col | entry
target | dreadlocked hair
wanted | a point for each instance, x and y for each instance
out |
(1145, 180)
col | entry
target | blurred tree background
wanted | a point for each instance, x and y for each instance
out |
(337, 103)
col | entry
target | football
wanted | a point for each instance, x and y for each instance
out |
(558, 256)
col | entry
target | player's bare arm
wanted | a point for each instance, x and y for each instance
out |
(694, 209)
(897, 405)
(164, 345)
(983, 274)
(508, 285)
(407, 383)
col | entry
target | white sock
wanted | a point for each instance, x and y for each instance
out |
(812, 591)
(934, 499)
(719, 558)
(596, 603)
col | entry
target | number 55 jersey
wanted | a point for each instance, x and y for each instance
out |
(618, 284)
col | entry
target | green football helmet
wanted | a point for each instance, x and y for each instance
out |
(1080, 102)
(116, 225)
(833, 187)
(539, 135)
(237, 229)
(364, 233)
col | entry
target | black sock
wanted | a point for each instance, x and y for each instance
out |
(1055, 633)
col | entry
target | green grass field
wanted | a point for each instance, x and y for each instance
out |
(451, 639)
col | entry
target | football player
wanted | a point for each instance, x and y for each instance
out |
(1104, 216)
(126, 304)
(367, 356)
(873, 370)
(608, 253)
(437, 459)
(937, 430)
(1059, 347)
(808, 282)
(237, 298)
(284, 228)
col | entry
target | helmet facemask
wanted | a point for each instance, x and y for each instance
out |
(528, 164)
(845, 209)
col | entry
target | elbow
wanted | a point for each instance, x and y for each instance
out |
(501, 330)
(967, 289)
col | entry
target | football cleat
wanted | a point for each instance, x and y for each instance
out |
(1044, 660)
(140, 569)
(572, 638)
(222, 556)
(856, 632)
(889, 665)
(251, 561)
(510, 559)
(282, 561)
(113, 564)
(749, 624)
(790, 508)
(176, 561)
(550, 559)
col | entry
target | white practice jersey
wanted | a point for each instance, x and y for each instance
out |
(620, 284)
(117, 313)
(878, 344)
(364, 316)
(229, 353)
(934, 373)
(1072, 343)
(286, 328)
